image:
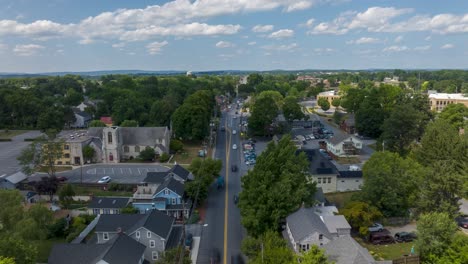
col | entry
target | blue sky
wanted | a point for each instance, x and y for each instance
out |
(86, 35)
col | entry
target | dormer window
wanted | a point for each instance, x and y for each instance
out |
(320, 237)
(166, 192)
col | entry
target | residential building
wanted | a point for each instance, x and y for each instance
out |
(349, 124)
(342, 145)
(329, 96)
(73, 143)
(107, 205)
(439, 101)
(121, 249)
(322, 171)
(321, 227)
(88, 103)
(155, 230)
(350, 180)
(12, 181)
(392, 80)
(163, 191)
(82, 119)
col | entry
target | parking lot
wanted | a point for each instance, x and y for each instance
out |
(9, 150)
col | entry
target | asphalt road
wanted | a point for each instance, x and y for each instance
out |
(223, 231)
(9, 150)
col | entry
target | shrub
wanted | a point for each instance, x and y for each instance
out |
(176, 145)
(164, 157)
(57, 229)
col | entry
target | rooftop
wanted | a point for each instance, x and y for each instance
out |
(328, 93)
(109, 202)
(455, 96)
(74, 136)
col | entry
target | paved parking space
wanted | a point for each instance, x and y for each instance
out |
(11, 149)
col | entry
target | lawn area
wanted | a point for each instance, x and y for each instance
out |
(386, 252)
(348, 160)
(11, 133)
(189, 152)
(44, 247)
(57, 168)
(339, 198)
(80, 190)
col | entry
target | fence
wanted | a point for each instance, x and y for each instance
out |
(86, 231)
(407, 260)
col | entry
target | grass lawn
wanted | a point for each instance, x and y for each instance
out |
(44, 247)
(11, 133)
(339, 198)
(189, 152)
(57, 168)
(387, 252)
(348, 160)
(80, 190)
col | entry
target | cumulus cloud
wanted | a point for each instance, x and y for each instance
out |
(155, 47)
(224, 44)
(288, 47)
(300, 5)
(262, 28)
(119, 45)
(27, 49)
(282, 33)
(252, 43)
(448, 46)
(398, 39)
(422, 48)
(395, 49)
(363, 40)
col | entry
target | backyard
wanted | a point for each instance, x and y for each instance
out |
(96, 191)
(386, 252)
(189, 152)
(339, 198)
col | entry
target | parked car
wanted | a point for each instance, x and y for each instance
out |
(62, 178)
(189, 241)
(376, 227)
(237, 259)
(234, 146)
(105, 179)
(234, 168)
(381, 238)
(462, 221)
(405, 236)
(234, 132)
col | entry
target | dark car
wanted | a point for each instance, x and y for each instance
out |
(62, 178)
(237, 259)
(234, 168)
(189, 241)
(381, 238)
(223, 129)
(236, 199)
(405, 236)
(215, 256)
(462, 221)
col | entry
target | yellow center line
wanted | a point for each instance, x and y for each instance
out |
(228, 151)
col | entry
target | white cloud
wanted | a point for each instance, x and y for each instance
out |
(282, 33)
(395, 49)
(310, 22)
(375, 18)
(398, 39)
(363, 40)
(262, 28)
(3, 47)
(155, 47)
(289, 47)
(252, 43)
(427, 38)
(422, 48)
(298, 5)
(27, 49)
(448, 46)
(119, 45)
(224, 44)
(39, 28)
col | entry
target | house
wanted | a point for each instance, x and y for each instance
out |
(121, 249)
(343, 145)
(82, 119)
(107, 205)
(349, 124)
(163, 191)
(29, 196)
(126, 143)
(88, 103)
(439, 101)
(152, 229)
(73, 142)
(350, 180)
(322, 171)
(329, 96)
(321, 227)
(12, 181)
(180, 173)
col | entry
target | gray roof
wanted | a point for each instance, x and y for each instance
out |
(304, 222)
(95, 132)
(16, 177)
(334, 222)
(350, 174)
(84, 114)
(173, 185)
(156, 222)
(350, 121)
(339, 137)
(111, 222)
(121, 249)
(319, 165)
(180, 171)
(109, 202)
(175, 238)
(144, 136)
(345, 250)
(155, 176)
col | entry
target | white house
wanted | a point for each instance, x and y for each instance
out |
(343, 145)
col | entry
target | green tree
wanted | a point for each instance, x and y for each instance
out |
(88, 153)
(11, 210)
(275, 187)
(173, 255)
(435, 233)
(66, 195)
(129, 210)
(96, 123)
(455, 114)
(129, 123)
(268, 248)
(18, 249)
(323, 103)
(352, 100)
(205, 171)
(292, 110)
(164, 157)
(456, 253)
(336, 102)
(275, 95)
(147, 154)
(254, 79)
(176, 145)
(263, 113)
(4, 260)
(360, 215)
(390, 183)
(314, 255)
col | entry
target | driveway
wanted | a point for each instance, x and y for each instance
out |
(411, 227)
(9, 150)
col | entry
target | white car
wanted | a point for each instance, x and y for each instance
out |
(105, 179)
(234, 132)
(234, 146)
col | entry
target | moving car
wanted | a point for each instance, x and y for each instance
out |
(234, 132)
(105, 179)
(405, 236)
(189, 241)
(236, 199)
(376, 227)
(234, 168)
(234, 146)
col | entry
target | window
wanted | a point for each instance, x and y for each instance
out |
(137, 234)
(329, 180)
(96, 211)
(106, 211)
(111, 157)
(126, 149)
(166, 192)
(357, 180)
(148, 234)
(303, 247)
(59, 162)
(319, 180)
(105, 236)
(320, 236)
(116, 211)
(137, 148)
(109, 137)
(308, 246)
(152, 244)
(174, 201)
(66, 147)
(154, 255)
(67, 155)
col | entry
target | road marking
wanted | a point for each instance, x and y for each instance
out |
(121, 171)
(113, 171)
(228, 151)
(139, 172)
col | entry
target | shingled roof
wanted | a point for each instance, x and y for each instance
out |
(304, 222)
(155, 176)
(144, 136)
(345, 249)
(180, 171)
(109, 202)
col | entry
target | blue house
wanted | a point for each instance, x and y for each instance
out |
(162, 191)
